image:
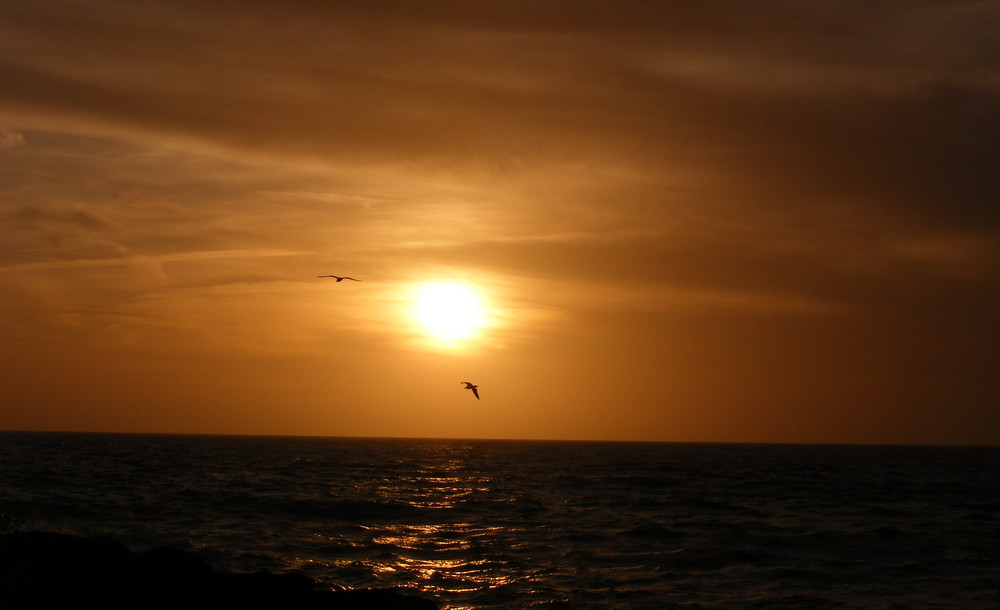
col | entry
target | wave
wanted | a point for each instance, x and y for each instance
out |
(533, 525)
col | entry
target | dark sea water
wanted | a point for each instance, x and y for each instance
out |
(510, 524)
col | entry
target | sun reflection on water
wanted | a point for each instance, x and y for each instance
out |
(434, 485)
(430, 492)
(425, 529)
(440, 556)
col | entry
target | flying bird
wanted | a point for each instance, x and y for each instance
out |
(471, 386)
(339, 278)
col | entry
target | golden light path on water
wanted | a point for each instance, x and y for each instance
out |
(455, 571)
(438, 553)
(440, 556)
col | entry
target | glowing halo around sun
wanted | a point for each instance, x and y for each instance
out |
(448, 312)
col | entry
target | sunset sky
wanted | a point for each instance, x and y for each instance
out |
(763, 221)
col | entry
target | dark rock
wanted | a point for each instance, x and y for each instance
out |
(45, 559)
(173, 565)
(48, 570)
(363, 599)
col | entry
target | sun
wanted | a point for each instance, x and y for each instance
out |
(449, 311)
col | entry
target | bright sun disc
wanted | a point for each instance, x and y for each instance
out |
(449, 311)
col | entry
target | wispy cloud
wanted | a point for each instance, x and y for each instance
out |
(126, 259)
(10, 139)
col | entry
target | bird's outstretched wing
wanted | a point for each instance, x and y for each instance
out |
(471, 386)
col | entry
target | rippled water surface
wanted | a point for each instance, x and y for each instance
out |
(505, 524)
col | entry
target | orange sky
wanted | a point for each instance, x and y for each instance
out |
(683, 221)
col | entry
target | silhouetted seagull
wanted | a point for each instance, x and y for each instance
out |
(471, 386)
(339, 278)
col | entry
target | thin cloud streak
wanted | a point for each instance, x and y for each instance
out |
(132, 260)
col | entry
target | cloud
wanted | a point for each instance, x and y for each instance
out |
(701, 115)
(967, 254)
(10, 139)
(458, 81)
(30, 217)
(801, 106)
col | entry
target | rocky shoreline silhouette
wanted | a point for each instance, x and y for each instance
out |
(53, 570)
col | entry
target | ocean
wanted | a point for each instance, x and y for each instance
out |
(533, 524)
